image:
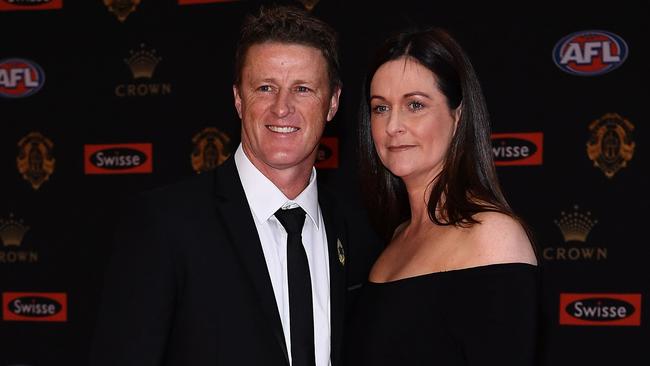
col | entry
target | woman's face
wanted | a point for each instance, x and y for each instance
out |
(412, 125)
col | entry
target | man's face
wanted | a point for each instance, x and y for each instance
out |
(284, 101)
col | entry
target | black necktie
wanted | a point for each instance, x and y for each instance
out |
(301, 316)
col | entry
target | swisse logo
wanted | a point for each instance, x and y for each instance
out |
(327, 156)
(27, 2)
(517, 148)
(600, 309)
(588, 53)
(30, 4)
(118, 158)
(20, 78)
(35, 306)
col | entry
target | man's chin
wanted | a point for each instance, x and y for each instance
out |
(283, 161)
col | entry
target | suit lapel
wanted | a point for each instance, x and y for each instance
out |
(336, 249)
(233, 209)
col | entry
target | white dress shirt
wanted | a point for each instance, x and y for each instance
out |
(264, 198)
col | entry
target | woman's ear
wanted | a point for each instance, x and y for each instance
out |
(457, 113)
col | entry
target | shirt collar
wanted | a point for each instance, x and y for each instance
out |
(264, 198)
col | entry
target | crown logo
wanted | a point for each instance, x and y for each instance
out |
(12, 231)
(143, 62)
(575, 226)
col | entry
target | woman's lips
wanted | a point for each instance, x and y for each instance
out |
(399, 148)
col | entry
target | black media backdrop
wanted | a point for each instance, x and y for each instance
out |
(56, 237)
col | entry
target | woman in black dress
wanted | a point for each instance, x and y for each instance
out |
(458, 282)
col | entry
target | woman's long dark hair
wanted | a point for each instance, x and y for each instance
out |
(468, 182)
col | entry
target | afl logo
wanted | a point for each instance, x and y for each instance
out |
(20, 78)
(589, 53)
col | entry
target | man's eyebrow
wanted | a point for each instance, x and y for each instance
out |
(300, 81)
(273, 80)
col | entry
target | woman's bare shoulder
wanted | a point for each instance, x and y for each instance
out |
(499, 238)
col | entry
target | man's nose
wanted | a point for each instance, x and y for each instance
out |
(283, 104)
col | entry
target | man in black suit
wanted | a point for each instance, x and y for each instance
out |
(200, 272)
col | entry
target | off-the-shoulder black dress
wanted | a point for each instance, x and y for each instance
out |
(485, 315)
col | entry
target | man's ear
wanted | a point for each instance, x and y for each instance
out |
(235, 92)
(334, 104)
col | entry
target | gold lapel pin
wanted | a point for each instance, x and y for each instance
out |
(340, 251)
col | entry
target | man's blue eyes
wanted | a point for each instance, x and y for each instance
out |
(299, 89)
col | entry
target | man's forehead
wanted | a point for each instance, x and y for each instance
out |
(295, 60)
(281, 44)
(279, 49)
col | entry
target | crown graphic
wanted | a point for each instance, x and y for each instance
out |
(142, 62)
(575, 225)
(12, 231)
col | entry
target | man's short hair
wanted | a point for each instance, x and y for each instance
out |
(290, 25)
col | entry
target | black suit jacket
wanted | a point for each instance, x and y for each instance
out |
(188, 283)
